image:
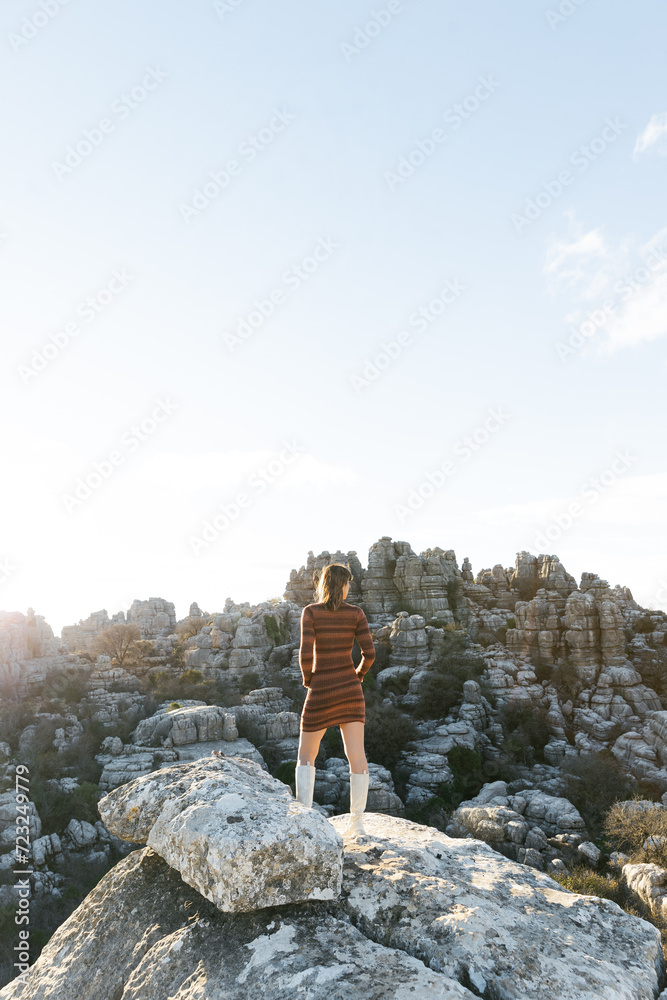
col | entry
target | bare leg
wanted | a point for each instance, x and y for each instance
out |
(309, 745)
(353, 741)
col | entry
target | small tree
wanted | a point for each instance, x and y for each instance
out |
(118, 642)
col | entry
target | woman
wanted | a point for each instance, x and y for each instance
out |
(328, 630)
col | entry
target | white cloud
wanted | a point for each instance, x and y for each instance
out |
(628, 276)
(654, 137)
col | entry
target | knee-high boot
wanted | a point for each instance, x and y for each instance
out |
(304, 777)
(358, 796)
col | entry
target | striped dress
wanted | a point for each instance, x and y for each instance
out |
(325, 657)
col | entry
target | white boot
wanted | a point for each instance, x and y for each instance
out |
(304, 777)
(358, 795)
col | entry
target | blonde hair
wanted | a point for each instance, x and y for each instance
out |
(329, 585)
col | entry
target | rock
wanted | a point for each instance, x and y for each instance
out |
(649, 883)
(504, 929)
(8, 817)
(79, 833)
(190, 724)
(156, 937)
(232, 831)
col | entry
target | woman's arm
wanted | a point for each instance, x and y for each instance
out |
(363, 637)
(306, 647)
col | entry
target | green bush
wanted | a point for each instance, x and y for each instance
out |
(285, 772)
(565, 678)
(442, 688)
(386, 733)
(584, 880)
(250, 681)
(277, 630)
(525, 731)
(469, 777)
(57, 808)
(431, 813)
(593, 782)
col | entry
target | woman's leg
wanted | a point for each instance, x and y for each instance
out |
(353, 741)
(309, 745)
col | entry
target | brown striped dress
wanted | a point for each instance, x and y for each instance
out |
(325, 657)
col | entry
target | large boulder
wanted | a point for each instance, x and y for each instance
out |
(501, 928)
(234, 832)
(143, 934)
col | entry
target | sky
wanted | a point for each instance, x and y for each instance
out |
(290, 277)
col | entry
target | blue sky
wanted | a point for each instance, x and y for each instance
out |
(282, 277)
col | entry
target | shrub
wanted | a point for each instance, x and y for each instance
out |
(117, 642)
(57, 808)
(332, 744)
(565, 678)
(285, 772)
(468, 775)
(584, 880)
(526, 731)
(593, 782)
(277, 631)
(431, 813)
(68, 684)
(628, 827)
(250, 681)
(386, 733)
(442, 688)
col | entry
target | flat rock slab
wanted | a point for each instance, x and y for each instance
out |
(504, 930)
(232, 831)
(144, 934)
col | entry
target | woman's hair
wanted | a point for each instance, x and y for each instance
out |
(329, 585)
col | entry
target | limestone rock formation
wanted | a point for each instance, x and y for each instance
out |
(155, 936)
(332, 787)
(81, 637)
(233, 832)
(300, 589)
(420, 915)
(520, 825)
(459, 905)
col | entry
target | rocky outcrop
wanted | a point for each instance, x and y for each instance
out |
(233, 832)
(523, 826)
(81, 637)
(174, 725)
(505, 930)
(28, 650)
(419, 914)
(649, 883)
(332, 788)
(156, 936)
(300, 588)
